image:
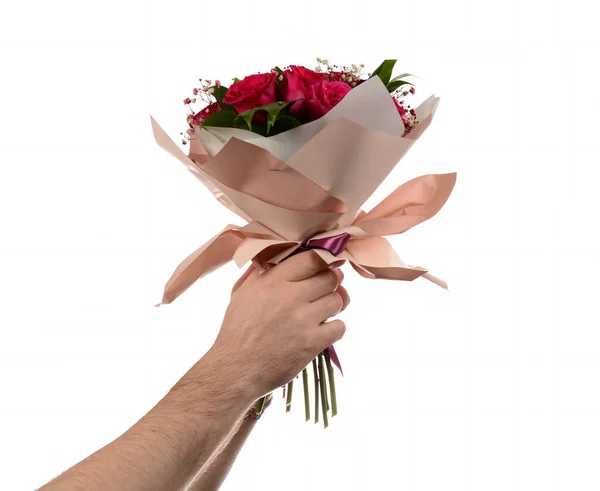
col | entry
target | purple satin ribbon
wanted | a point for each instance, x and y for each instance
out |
(335, 245)
(334, 358)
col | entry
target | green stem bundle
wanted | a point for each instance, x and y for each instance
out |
(288, 401)
(260, 406)
(323, 372)
(323, 385)
(317, 389)
(306, 396)
(331, 383)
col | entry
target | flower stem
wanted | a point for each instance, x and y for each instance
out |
(316, 374)
(260, 405)
(326, 392)
(323, 384)
(288, 402)
(331, 383)
(306, 396)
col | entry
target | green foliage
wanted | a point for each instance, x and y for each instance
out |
(223, 119)
(284, 123)
(219, 94)
(395, 84)
(384, 71)
(274, 112)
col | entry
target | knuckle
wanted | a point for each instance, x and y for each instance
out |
(338, 301)
(332, 279)
(306, 260)
(312, 259)
(338, 329)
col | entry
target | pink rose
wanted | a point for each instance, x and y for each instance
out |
(324, 96)
(255, 90)
(296, 86)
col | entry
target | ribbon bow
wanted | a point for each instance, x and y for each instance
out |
(335, 244)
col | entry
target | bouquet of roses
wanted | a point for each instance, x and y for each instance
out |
(296, 153)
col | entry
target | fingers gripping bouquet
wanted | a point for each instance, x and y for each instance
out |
(296, 153)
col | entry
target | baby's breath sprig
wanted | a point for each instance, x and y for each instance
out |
(351, 75)
(408, 114)
(202, 94)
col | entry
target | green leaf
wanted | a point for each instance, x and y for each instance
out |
(398, 82)
(223, 119)
(235, 80)
(219, 94)
(404, 75)
(278, 70)
(384, 71)
(394, 84)
(285, 123)
(273, 110)
(260, 129)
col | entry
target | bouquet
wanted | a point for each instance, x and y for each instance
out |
(296, 152)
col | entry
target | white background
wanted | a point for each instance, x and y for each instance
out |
(493, 386)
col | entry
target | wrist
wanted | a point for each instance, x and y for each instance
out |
(256, 410)
(215, 388)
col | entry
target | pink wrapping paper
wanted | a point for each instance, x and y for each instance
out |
(314, 192)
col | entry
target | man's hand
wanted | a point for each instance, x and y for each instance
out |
(276, 323)
(274, 326)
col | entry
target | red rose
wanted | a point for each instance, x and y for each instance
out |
(253, 91)
(297, 85)
(205, 113)
(324, 96)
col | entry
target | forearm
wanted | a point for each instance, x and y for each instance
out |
(165, 449)
(213, 474)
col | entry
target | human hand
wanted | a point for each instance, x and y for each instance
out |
(276, 323)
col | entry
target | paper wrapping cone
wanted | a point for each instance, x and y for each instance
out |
(309, 183)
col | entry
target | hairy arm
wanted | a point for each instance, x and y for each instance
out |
(214, 472)
(171, 442)
(274, 326)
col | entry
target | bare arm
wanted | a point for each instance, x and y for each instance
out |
(166, 447)
(214, 472)
(272, 329)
